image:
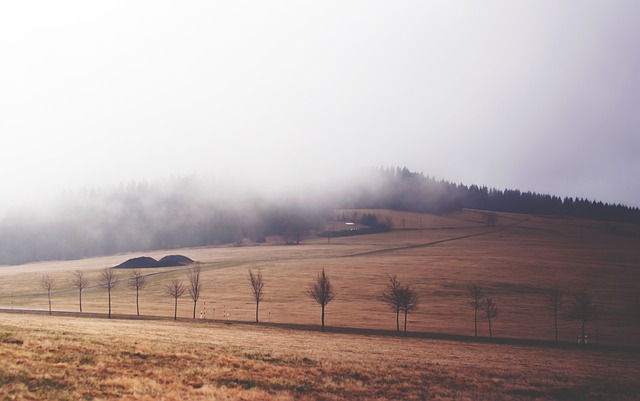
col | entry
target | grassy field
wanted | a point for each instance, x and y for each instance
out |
(61, 358)
(516, 266)
(516, 263)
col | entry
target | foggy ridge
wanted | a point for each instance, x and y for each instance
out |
(188, 212)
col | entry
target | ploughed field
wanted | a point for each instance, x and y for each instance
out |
(515, 263)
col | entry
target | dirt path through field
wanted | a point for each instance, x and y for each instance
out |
(406, 247)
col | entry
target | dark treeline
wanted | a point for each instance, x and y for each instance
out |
(401, 189)
(189, 212)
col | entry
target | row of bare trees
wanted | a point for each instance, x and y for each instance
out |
(402, 298)
(580, 309)
(320, 289)
(398, 297)
(176, 289)
(108, 279)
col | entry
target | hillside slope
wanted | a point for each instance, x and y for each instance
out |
(516, 262)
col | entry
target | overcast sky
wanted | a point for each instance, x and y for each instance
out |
(535, 95)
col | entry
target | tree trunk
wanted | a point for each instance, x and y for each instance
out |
(405, 323)
(490, 332)
(137, 304)
(80, 300)
(49, 292)
(175, 310)
(475, 322)
(195, 304)
(109, 291)
(397, 319)
(257, 303)
(322, 317)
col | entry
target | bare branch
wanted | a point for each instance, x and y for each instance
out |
(475, 300)
(491, 310)
(554, 302)
(48, 283)
(195, 285)
(475, 296)
(108, 279)
(391, 297)
(408, 301)
(175, 289)
(554, 299)
(257, 283)
(583, 310)
(321, 291)
(80, 282)
(138, 281)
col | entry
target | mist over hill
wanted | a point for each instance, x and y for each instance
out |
(188, 212)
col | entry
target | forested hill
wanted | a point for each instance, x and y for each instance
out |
(186, 212)
(401, 189)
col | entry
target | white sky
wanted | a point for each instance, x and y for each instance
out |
(535, 95)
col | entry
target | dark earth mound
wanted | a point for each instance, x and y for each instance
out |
(138, 263)
(143, 262)
(174, 260)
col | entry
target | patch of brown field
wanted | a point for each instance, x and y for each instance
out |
(515, 266)
(60, 358)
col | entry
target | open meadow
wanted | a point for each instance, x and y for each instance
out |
(516, 262)
(516, 265)
(62, 358)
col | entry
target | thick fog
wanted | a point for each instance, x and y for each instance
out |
(534, 95)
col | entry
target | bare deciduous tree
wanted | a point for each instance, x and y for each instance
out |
(321, 291)
(583, 310)
(554, 302)
(408, 301)
(138, 281)
(48, 283)
(475, 300)
(108, 279)
(391, 297)
(175, 289)
(80, 282)
(195, 285)
(256, 288)
(491, 310)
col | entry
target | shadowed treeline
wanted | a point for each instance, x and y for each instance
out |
(401, 189)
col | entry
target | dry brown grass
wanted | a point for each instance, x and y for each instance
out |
(515, 269)
(59, 358)
(65, 358)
